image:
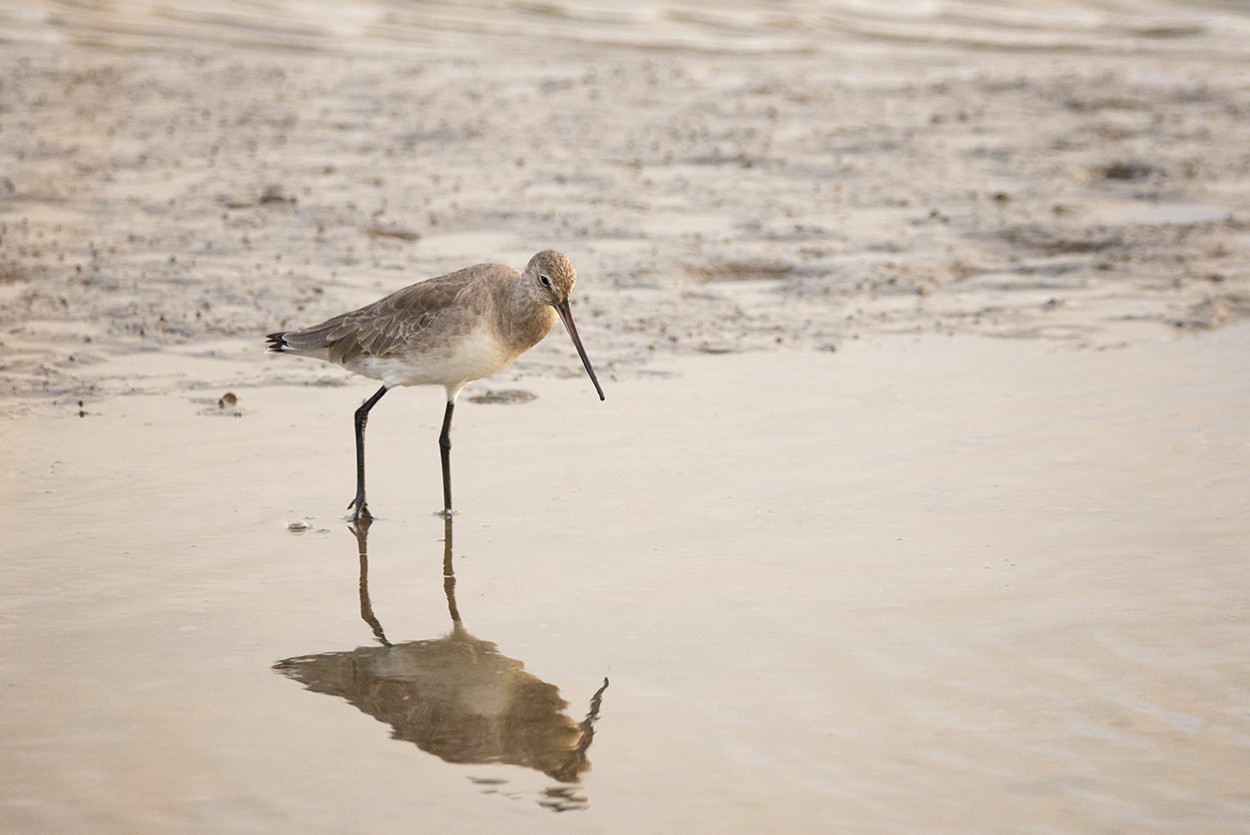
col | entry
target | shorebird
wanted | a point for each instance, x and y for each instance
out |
(446, 331)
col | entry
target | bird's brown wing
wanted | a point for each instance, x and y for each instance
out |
(404, 318)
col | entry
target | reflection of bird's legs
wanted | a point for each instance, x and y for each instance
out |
(361, 531)
(449, 572)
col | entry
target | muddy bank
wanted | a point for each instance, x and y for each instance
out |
(728, 181)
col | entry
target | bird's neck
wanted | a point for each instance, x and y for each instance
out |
(523, 319)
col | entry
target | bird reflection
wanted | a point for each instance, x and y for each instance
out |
(456, 697)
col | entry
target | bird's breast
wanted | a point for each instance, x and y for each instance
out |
(450, 361)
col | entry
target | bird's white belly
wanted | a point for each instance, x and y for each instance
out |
(451, 363)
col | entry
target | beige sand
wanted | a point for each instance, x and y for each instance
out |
(983, 566)
(728, 182)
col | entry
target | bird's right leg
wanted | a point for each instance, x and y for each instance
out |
(358, 506)
(444, 449)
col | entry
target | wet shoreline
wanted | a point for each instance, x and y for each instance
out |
(189, 191)
(1003, 574)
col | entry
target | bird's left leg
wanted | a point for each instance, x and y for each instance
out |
(359, 509)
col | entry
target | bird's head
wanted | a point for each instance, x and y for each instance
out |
(552, 276)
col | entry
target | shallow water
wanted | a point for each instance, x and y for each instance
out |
(804, 26)
(912, 585)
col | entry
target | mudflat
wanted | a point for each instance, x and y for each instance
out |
(918, 502)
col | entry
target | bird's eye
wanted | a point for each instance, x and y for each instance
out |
(545, 280)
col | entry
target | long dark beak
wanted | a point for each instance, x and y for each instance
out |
(566, 316)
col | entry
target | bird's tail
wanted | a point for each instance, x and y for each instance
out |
(277, 343)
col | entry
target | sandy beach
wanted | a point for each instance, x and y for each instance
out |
(919, 500)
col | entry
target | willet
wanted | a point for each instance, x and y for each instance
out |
(446, 331)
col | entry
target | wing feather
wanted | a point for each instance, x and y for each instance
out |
(406, 319)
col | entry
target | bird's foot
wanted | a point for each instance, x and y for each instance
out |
(359, 512)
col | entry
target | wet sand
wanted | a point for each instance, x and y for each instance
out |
(919, 501)
(725, 181)
(921, 584)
